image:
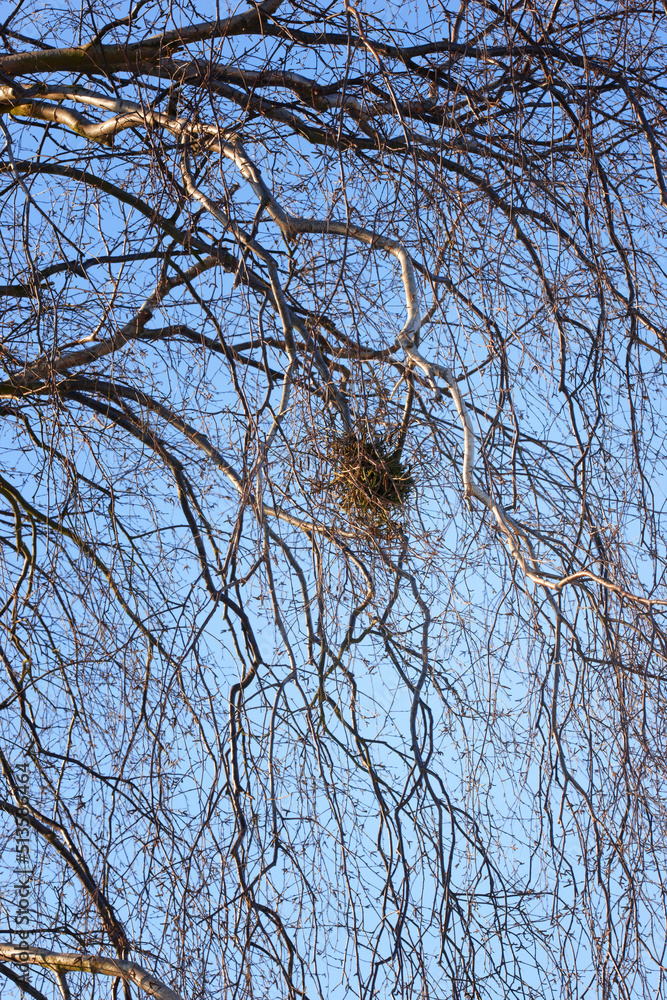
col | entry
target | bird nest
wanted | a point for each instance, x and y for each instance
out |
(371, 482)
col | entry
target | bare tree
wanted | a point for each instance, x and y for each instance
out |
(333, 479)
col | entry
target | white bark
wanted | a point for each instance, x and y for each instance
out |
(64, 962)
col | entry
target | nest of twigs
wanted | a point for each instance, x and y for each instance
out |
(371, 481)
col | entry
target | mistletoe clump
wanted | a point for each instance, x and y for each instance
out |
(371, 480)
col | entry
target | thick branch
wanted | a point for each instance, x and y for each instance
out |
(60, 962)
(106, 58)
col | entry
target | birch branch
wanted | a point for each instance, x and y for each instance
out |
(64, 962)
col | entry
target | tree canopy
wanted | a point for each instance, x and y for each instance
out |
(333, 482)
